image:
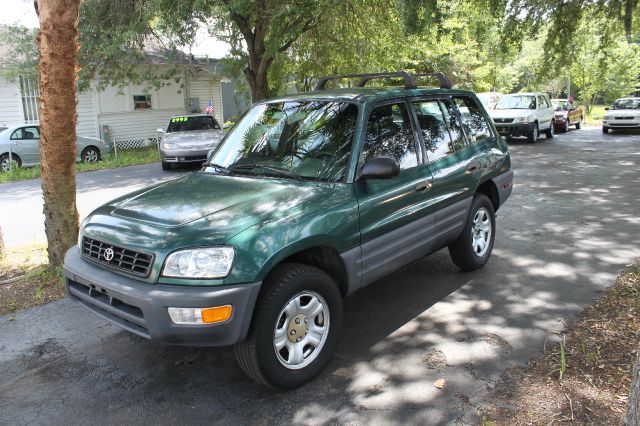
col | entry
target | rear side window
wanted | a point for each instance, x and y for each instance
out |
(440, 129)
(473, 121)
(25, 133)
(389, 134)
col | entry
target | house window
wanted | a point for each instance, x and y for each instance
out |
(30, 96)
(141, 102)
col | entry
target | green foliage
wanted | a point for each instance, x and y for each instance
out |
(23, 56)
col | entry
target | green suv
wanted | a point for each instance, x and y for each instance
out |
(309, 198)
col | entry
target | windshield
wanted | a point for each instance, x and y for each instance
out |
(308, 140)
(626, 104)
(516, 102)
(560, 105)
(192, 123)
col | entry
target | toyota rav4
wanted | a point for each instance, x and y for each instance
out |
(309, 198)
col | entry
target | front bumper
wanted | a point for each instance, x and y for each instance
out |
(514, 130)
(632, 123)
(184, 156)
(141, 308)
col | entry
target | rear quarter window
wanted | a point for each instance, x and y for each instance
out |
(475, 124)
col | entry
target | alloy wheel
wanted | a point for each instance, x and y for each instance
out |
(301, 330)
(481, 232)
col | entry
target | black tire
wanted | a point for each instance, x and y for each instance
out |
(257, 354)
(579, 124)
(4, 162)
(462, 250)
(167, 166)
(90, 154)
(533, 134)
(550, 131)
(565, 127)
(605, 130)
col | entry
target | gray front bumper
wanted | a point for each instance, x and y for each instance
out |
(184, 156)
(141, 308)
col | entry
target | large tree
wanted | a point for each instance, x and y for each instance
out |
(58, 42)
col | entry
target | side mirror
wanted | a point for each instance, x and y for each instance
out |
(380, 168)
(606, 109)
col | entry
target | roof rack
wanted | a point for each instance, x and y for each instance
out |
(409, 80)
(444, 81)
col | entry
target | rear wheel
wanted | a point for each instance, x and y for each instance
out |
(294, 329)
(473, 247)
(533, 134)
(5, 164)
(550, 131)
(90, 154)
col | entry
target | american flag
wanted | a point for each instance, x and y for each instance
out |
(209, 109)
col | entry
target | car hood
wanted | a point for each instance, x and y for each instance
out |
(622, 112)
(199, 139)
(509, 113)
(223, 204)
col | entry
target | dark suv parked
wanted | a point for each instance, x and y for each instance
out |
(309, 198)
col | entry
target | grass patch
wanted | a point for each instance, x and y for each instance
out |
(25, 280)
(586, 377)
(594, 118)
(128, 157)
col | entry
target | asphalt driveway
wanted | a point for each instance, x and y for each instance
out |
(570, 226)
(94, 189)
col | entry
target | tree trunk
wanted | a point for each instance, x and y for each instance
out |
(629, 8)
(258, 84)
(633, 409)
(58, 40)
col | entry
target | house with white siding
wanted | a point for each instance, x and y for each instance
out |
(128, 113)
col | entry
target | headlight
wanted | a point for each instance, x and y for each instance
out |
(212, 262)
(167, 146)
(608, 117)
(522, 119)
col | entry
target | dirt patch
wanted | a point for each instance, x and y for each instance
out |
(584, 378)
(25, 280)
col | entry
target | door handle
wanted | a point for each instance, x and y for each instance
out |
(473, 167)
(424, 186)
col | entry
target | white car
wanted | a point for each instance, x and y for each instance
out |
(624, 113)
(524, 114)
(188, 139)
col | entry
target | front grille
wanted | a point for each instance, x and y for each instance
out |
(133, 262)
(624, 118)
(503, 120)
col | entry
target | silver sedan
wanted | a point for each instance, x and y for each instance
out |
(21, 143)
(188, 139)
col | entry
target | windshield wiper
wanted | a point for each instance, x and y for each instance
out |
(278, 170)
(218, 167)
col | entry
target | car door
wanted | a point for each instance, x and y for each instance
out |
(546, 109)
(456, 153)
(25, 143)
(396, 215)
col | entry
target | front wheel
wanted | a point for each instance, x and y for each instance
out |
(533, 134)
(473, 247)
(5, 162)
(605, 130)
(294, 329)
(565, 127)
(579, 123)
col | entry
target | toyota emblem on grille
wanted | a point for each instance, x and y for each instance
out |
(108, 254)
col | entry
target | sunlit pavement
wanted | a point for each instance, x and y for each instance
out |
(570, 226)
